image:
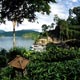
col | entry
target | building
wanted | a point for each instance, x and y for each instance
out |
(19, 65)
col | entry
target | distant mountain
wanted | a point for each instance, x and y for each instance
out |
(2, 31)
(18, 33)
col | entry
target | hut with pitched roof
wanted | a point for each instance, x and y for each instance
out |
(19, 64)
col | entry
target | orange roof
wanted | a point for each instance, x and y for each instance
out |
(19, 62)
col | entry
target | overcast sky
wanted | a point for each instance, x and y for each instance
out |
(61, 8)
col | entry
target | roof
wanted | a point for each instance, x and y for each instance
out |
(19, 62)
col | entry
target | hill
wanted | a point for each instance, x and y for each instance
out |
(18, 33)
(1, 31)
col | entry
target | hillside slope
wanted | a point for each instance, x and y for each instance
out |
(18, 33)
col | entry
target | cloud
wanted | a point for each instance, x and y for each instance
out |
(29, 25)
(61, 8)
(42, 19)
(74, 0)
(7, 26)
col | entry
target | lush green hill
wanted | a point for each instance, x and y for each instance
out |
(19, 33)
(1, 31)
(31, 35)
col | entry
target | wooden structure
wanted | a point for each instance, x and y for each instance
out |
(19, 64)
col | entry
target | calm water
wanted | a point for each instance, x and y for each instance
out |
(7, 42)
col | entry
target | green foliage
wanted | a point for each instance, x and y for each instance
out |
(32, 35)
(5, 73)
(20, 9)
(74, 34)
(66, 30)
(76, 11)
(55, 53)
(16, 51)
(44, 27)
(63, 29)
(67, 70)
(55, 64)
(21, 78)
(74, 20)
(19, 33)
(75, 27)
(3, 58)
(46, 30)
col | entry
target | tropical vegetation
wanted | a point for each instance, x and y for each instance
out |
(65, 29)
(32, 35)
(56, 62)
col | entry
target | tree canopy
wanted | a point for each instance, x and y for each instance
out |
(20, 9)
(74, 20)
(76, 11)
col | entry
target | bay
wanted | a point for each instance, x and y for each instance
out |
(7, 42)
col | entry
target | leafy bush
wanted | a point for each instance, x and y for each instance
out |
(55, 53)
(55, 64)
(5, 73)
(3, 58)
(16, 51)
(67, 70)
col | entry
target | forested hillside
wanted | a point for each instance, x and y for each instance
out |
(18, 33)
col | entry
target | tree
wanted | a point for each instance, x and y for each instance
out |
(51, 26)
(61, 28)
(74, 20)
(76, 11)
(17, 10)
(44, 29)
(56, 18)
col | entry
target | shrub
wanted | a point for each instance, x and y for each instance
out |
(3, 58)
(16, 51)
(55, 64)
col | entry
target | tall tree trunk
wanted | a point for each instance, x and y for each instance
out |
(14, 36)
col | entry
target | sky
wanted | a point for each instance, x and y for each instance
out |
(61, 8)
